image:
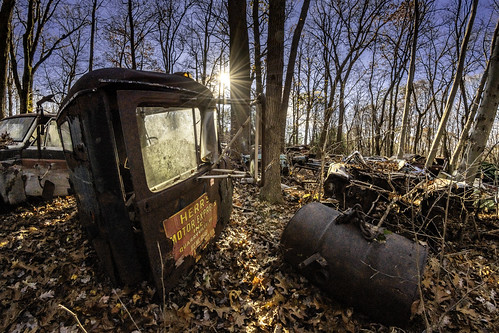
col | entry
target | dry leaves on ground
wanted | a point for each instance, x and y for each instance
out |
(241, 284)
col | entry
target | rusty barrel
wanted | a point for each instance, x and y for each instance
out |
(378, 277)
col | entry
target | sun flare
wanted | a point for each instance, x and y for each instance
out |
(225, 78)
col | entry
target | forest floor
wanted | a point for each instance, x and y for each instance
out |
(51, 280)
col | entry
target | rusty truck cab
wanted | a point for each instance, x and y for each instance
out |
(31, 158)
(136, 144)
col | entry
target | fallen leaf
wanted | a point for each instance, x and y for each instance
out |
(46, 295)
(185, 312)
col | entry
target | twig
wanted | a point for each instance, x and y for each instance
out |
(446, 217)
(452, 307)
(75, 317)
(369, 186)
(128, 312)
(420, 270)
(243, 208)
(162, 275)
(387, 211)
(373, 204)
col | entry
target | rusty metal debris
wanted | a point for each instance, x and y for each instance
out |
(31, 158)
(337, 248)
(371, 181)
(360, 180)
(369, 268)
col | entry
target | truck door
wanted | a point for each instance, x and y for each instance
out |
(44, 166)
(177, 212)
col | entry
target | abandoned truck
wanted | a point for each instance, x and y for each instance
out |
(142, 151)
(31, 158)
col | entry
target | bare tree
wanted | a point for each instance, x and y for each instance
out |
(463, 139)
(128, 32)
(291, 67)
(297, 100)
(271, 190)
(240, 82)
(410, 79)
(206, 39)
(60, 71)
(346, 30)
(5, 34)
(485, 115)
(93, 28)
(258, 72)
(455, 87)
(313, 77)
(394, 56)
(277, 97)
(131, 23)
(33, 21)
(421, 93)
(435, 69)
(170, 23)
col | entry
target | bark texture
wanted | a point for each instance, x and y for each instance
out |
(240, 82)
(272, 124)
(485, 116)
(5, 34)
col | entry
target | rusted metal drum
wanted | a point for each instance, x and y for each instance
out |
(377, 277)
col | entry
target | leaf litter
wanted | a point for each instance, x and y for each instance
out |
(240, 284)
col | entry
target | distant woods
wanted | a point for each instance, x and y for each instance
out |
(349, 86)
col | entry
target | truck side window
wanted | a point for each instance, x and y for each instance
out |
(168, 144)
(66, 137)
(52, 138)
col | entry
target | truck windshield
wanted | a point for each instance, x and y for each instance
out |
(16, 128)
(169, 144)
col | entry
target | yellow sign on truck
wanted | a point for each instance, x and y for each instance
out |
(192, 227)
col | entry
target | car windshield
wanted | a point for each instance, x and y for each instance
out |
(16, 128)
(168, 142)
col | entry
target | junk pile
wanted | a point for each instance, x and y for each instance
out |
(369, 249)
(379, 184)
(368, 180)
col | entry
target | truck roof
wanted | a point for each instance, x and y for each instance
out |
(124, 79)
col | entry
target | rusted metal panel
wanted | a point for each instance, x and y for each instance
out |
(32, 162)
(378, 277)
(11, 184)
(28, 178)
(37, 173)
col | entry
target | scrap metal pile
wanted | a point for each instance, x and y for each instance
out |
(398, 193)
(403, 187)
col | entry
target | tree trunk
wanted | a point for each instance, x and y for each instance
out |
(26, 93)
(309, 101)
(5, 35)
(471, 117)
(260, 107)
(271, 190)
(93, 27)
(291, 66)
(35, 23)
(258, 54)
(409, 86)
(341, 117)
(485, 116)
(328, 110)
(132, 34)
(240, 82)
(392, 119)
(455, 86)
